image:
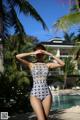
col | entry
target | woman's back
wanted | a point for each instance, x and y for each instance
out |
(39, 71)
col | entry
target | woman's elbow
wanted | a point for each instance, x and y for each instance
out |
(17, 56)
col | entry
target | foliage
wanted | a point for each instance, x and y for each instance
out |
(16, 76)
(68, 69)
(73, 18)
(69, 37)
(69, 66)
(9, 16)
(65, 22)
(74, 6)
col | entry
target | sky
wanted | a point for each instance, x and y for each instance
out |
(50, 11)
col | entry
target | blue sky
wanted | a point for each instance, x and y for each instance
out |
(50, 11)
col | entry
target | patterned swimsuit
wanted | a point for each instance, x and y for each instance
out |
(40, 88)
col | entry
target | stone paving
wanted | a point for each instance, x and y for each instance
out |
(68, 114)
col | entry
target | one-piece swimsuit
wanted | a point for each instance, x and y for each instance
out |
(40, 88)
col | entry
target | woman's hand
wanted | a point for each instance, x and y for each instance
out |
(37, 52)
(47, 53)
(42, 52)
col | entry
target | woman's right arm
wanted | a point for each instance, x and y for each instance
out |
(22, 60)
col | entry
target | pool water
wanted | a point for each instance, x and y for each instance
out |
(65, 101)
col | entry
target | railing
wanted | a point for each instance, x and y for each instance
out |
(51, 73)
(61, 73)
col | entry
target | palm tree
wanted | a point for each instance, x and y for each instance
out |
(69, 37)
(9, 17)
(67, 21)
(64, 23)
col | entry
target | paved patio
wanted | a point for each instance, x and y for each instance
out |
(68, 114)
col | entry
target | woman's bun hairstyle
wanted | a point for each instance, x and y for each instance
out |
(39, 46)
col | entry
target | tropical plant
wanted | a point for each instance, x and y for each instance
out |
(73, 18)
(16, 76)
(67, 21)
(69, 37)
(9, 17)
(68, 69)
(77, 44)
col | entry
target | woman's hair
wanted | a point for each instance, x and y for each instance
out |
(39, 46)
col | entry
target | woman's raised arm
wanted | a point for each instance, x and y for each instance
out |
(59, 62)
(21, 56)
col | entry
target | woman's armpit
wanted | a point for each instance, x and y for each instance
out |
(53, 65)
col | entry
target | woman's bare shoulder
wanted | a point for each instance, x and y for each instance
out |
(31, 65)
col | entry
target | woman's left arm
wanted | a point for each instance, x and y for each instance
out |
(59, 62)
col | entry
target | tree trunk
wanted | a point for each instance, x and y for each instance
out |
(1, 19)
(65, 80)
(1, 37)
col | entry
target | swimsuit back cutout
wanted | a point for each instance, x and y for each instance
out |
(39, 71)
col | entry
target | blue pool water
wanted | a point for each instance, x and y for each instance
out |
(65, 101)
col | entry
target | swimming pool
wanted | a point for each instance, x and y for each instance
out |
(65, 101)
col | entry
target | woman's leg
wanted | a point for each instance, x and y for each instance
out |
(47, 104)
(37, 107)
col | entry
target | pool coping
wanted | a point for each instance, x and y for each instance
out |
(65, 92)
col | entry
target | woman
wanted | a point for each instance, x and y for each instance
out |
(40, 96)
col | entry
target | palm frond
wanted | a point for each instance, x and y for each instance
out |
(69, 37)
(14, 19)
(25, 7)
(9, 16)
(65, 22)
(16, 23)
(4, 19)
